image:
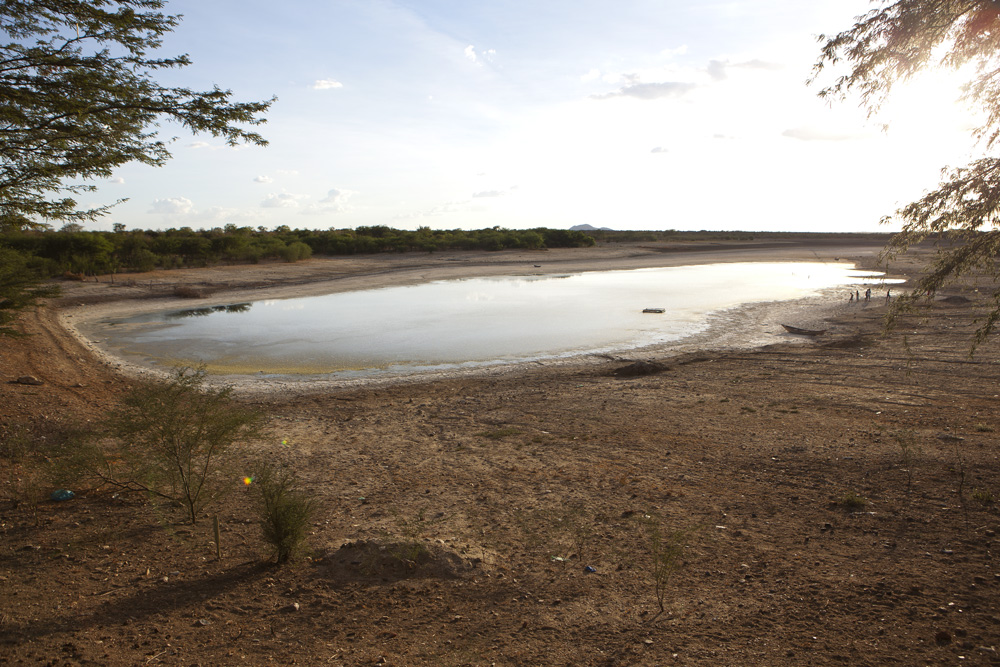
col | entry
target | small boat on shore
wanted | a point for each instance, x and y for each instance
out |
(654, 310)
(799, 331)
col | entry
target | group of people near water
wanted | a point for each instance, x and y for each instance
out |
(856, 296)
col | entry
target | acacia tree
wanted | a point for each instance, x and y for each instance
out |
(890, 44)
(78, 98)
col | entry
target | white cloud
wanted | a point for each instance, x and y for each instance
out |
(335, 201)
(199, 144)
(649, 91)
(326, 84)
(172, 206)
(488, 193)
(659, 149)
(489, 55)
(812, 133)
(183, 209)
(263, 179)
(118, 180)
(717, 69)
(282, 200)
(592, 75)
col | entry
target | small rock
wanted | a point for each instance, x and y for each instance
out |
(202, 622)
(942, 637)
(291, 607)
(28, 379)
(60, 495)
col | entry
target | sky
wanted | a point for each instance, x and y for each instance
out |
(632, 114)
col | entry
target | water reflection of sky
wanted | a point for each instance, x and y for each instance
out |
(458, 322)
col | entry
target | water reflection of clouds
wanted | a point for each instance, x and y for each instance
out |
(483, 320)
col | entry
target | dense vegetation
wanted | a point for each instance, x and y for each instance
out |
(706, 236)
(74, 251)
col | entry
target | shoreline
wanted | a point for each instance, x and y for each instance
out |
(748, 326)
(841, 488)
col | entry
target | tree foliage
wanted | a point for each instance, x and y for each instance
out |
(92, 253)
(892, 43)
(78, 98)
(20, 287)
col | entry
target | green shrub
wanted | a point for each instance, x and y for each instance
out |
(173, 440)
(852, 501)
(284, 510)
(983, 496)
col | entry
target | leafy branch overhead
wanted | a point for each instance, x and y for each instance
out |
(893, 43)
(78, 98)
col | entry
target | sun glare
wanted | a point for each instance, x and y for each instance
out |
(929, 106)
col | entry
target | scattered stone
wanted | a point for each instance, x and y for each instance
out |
(942, 637)
(289, 608)
(28, 379)
(202, 622)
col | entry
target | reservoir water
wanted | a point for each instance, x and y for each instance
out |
(461, 323)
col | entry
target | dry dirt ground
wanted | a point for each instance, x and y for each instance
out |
(458, 518)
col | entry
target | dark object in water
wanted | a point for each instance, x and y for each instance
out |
(798, 331)
(654, 310)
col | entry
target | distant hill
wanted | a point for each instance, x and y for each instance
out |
(589, 228)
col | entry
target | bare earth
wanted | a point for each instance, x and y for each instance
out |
(458, 516)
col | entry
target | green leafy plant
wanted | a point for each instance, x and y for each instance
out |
(983, 496)
(174, 440)
(284, 510)
(666, 551)
(852, 501)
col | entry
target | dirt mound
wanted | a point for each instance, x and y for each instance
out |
(640, 368)
(388, 560)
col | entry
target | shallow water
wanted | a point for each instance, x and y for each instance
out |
(462, 323)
